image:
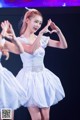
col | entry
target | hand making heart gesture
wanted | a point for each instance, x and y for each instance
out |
(52, 25)
(7, 30)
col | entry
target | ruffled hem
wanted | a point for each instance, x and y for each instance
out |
(43, 88)
(12, 95)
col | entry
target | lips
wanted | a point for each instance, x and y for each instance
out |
(35, 28)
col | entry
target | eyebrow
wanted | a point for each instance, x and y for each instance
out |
(38, 21)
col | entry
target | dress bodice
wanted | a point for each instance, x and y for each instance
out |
(35, 59)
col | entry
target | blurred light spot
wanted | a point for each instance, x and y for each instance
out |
(64, 4)
(0, 5)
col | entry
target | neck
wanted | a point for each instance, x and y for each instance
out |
(28, 33)
(30, 36)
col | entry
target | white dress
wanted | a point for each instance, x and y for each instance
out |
(43, 87)
(12, 95)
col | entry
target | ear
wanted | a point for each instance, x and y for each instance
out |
(27, 20)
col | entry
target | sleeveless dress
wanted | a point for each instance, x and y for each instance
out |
(43, 87)
(12, 95)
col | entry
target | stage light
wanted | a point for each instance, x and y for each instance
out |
(42, 3)
(64, 5)
(1, 5)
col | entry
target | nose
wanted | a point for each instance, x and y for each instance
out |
(38, 25)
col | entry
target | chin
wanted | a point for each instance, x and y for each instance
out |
(35, 31)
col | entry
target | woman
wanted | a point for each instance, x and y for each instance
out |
(43, 87)
(12, 95)
(18, 92)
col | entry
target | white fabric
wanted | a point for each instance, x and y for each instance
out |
(23, 39)
(43, 87)
(2, 42)
(12, 95)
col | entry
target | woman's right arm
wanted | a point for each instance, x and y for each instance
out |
(36, 43)
(15, 46)
(30, 48)
(7, 31)
(11, 47)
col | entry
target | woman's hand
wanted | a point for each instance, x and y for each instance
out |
(54, 28)
(46, 28)
(5, 25)
(7, 30)
(52, 25)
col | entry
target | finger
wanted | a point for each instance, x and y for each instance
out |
(52, 26)
(8, 34)
(9, 37)
(6, 23)
(48, 31)
(53, 31)
(10, 25)
(49, 22)
(2, 25)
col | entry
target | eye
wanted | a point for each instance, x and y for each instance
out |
(40, 23)
(36, 21)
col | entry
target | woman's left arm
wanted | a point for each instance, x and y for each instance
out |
(62, 41)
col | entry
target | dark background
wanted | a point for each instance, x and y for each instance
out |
(64, 63)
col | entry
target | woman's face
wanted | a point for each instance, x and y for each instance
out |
(34, 23)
